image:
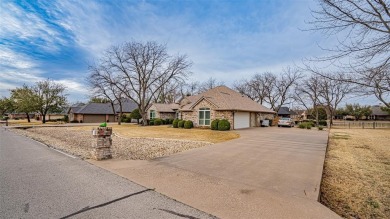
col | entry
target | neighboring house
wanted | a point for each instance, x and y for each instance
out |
(379, 114)
(218, 103)
(20, 115)
(163, 111)
(50, 116)
(286, 112)
(99, 112)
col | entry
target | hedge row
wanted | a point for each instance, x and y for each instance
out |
(160, 121)
(178, 123)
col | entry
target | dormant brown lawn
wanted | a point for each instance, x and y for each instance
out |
(356, 181)
(167, 132)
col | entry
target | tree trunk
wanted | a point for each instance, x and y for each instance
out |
(120, 113)
(44, 118)
(144, 118)
(28, 117)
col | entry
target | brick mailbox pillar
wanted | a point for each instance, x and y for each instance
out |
(101, 149)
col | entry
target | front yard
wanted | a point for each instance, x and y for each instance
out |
(133, 142)
(167, 132)
(356, 179)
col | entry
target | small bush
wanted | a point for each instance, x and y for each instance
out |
(322, 122)
(166, 121)
(170, 121)
(188, 124)
(223, 125)
(175, 123)
(74, 121)
(305, 125)
(16, 119)
(151, 122)
(158, 122)
(214, 124)
(180, 124)
(320, 128)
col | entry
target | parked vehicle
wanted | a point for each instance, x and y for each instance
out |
(286, 122)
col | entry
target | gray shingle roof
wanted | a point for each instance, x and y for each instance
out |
(96, 108)
(377, 111)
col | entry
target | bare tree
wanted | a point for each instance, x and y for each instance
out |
(331, 93)
(365, 26)
(279, 89)
(191, 88)
(142, 69)
(210, 84)
(307, 93)
(103, 85)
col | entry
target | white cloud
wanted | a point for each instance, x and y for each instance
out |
(17, 23)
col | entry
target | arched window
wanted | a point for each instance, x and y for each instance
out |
(204, 116)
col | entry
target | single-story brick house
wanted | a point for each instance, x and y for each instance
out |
(163, 111)
(219, 103)
(99, 112)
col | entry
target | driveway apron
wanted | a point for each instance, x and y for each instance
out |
(267, 172)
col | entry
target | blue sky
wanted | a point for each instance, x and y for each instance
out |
(227, 40)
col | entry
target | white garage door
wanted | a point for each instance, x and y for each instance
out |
(241, 120)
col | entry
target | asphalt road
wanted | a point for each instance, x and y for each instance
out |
(38, 182)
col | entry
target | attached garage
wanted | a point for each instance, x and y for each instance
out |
(241, 120)
(94, 118)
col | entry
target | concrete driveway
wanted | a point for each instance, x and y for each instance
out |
(267, 172)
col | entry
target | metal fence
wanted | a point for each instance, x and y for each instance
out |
(362, 125)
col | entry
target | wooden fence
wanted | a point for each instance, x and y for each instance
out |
(362, 125)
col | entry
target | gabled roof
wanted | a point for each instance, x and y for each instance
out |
(166, 108)
(377, 111)
(224, 98)
(127, 106)
(95, 108)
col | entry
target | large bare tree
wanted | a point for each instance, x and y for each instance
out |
(331, 93)
(142, 70)
(103, 85)
(362, 53)
(307, 93)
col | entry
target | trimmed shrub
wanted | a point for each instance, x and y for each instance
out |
(16, 119)
(171, 121)
(322, 122)
(180, 124)
(151, 122)
(74, 121)
(166, 121)
(214, 124)
(320, 128)
(175, 123)
(188, 124)
(305, 125)
(158, 122)
(223, 125)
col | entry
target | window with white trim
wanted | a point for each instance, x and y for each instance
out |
(204, 116)
(152, 114)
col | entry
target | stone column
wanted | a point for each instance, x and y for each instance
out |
(101, 149)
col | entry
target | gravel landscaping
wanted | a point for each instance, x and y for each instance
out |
(79, 143)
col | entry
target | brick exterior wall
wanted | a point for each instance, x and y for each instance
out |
(165, 115)
(228, 115)
(162, 115)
